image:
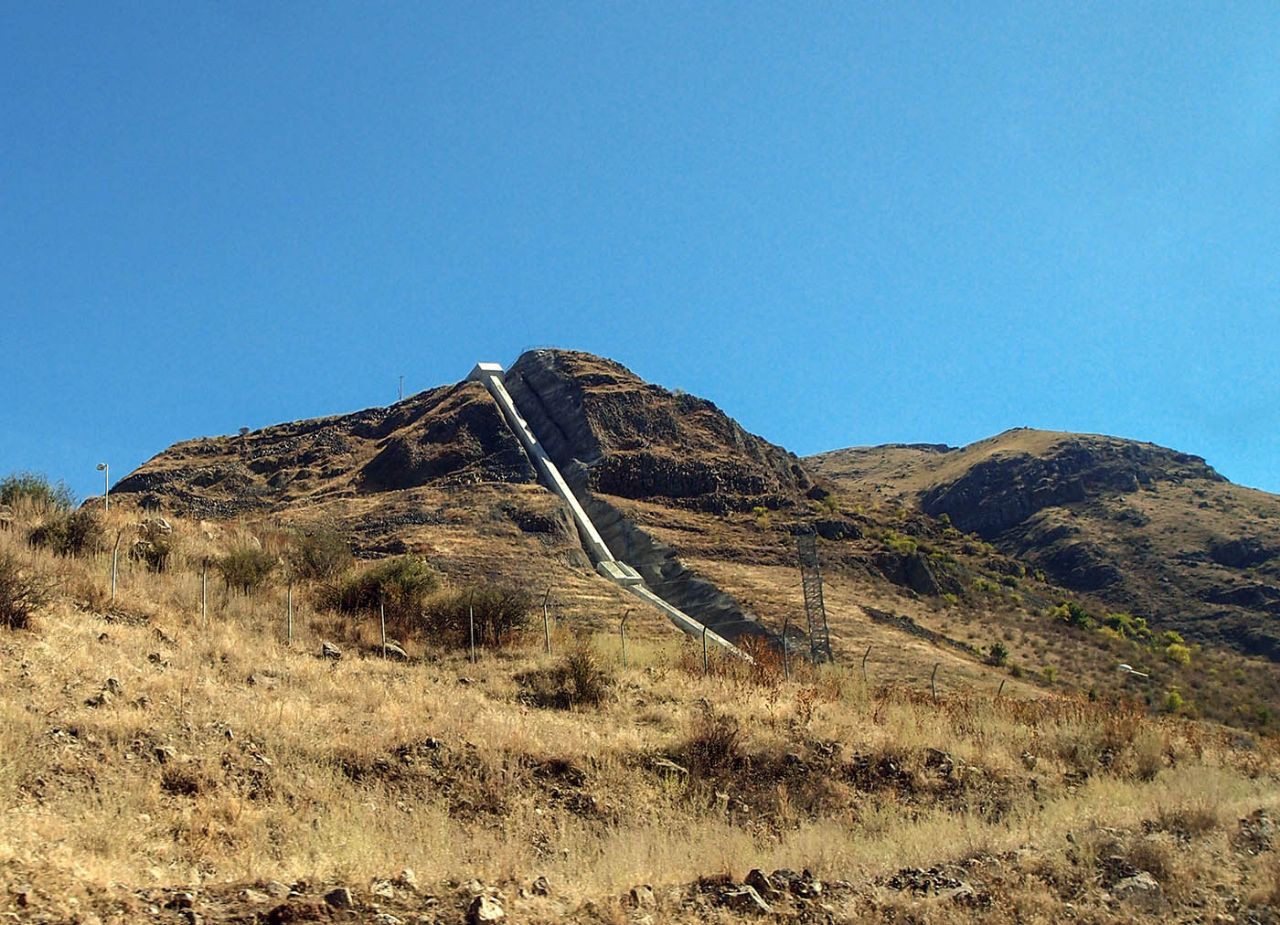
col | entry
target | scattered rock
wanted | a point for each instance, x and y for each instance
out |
(254, 896)
(262, 680)
(1257, 833)
(311, 911)
(340, 898)
(329, 650)
(641, 897)
(745, 899)
(484, 909)
(100, 699)
(275, 889)
(759, 882)
(382, 889)
(407, 879)
(1141, 888)
(394, 652)
(540, 887)
(164, 754)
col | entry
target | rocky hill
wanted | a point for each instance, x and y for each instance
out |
(1134, 526)
(931, 555)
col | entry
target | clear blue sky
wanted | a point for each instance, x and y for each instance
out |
(845, 223)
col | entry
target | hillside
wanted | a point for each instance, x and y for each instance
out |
(708, 512)
(162, 766)
(1137, 527)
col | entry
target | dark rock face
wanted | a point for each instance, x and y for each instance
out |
(453, 435)
(1003, 491)
(1242, 553)
(625, 437)
(462, 437)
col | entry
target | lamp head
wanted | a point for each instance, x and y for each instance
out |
(102, 467)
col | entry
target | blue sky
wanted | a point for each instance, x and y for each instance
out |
(845, 223)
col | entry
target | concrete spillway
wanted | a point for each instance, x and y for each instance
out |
(620, 573)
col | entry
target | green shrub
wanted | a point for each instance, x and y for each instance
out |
(1127, 625)
(998, 654)
(1173, 701)
(500, 611)
(69, 534)
(1178, 654)
(20, 594)
(247, 569)
(402, 584)
(903, 545)
(32, 493)
(319, 555)
(1072, 614)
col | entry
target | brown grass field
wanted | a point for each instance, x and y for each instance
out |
(225, 776)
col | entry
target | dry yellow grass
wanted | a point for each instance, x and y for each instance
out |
(192, 777)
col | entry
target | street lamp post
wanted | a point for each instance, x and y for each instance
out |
(106, 485)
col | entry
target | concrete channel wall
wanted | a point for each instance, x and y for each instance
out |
(620, 573)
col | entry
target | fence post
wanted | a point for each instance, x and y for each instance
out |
(382, 621)
(204, 593)
(786, 662)
(1001, 690)
(864, 664)
(933, 686)
(622, 631)
(289, 631)
(546, 622)
(706, 665)
(471, 619)
(115, 562)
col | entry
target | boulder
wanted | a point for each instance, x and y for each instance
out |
(746, 900)
(484, 909)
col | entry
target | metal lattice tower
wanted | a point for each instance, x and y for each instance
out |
(814, 608)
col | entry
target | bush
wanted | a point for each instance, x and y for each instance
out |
(715, 744)
(246, 569)
(1072, 614)
(1178, 654)
(579, 679)
(500, 611)
(35, 494)
(20, 595)
(403, 584)
(320, 555)
(69, 534)
(998, 654)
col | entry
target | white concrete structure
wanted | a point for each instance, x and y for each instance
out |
(490, 375)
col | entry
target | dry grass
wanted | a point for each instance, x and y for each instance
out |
(220, 755)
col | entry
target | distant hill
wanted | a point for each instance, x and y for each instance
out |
(1136, 526)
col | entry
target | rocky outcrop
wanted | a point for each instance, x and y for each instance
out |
(628, 438)
(453, 435)
(1004, 490)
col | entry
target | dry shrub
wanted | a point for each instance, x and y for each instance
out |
(20, 594)
(714, 745)
(1155, 858)
(580, 679)
(320, 554)
(246, 568)
(1190, 821)
(500, 612)
(76, 533)
(401, 585)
